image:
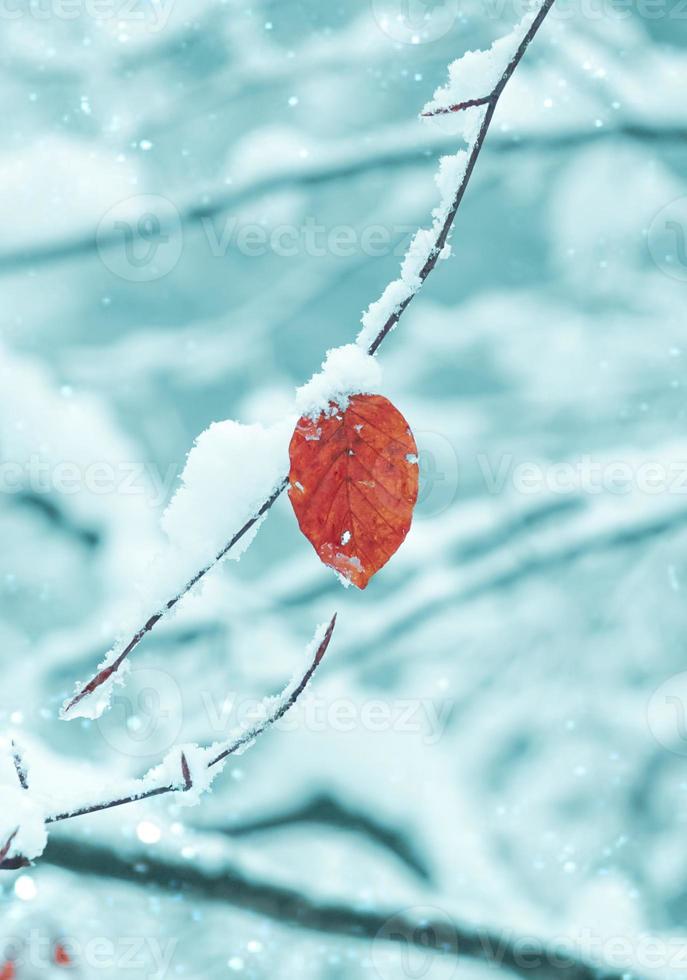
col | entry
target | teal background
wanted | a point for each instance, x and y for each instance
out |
(527, 640)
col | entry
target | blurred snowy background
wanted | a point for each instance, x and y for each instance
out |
(197, 199)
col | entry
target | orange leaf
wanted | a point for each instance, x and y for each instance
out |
(353, 484)
(62, 957)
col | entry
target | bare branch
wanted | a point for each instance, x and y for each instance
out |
(469, 104)
(14, 864)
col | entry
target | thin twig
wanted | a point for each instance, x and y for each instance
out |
(458, 107)
(244, 739)
(20, 768)
(5, 849)
(103, 675)
(490, 101)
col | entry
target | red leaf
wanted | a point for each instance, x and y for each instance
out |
(62, 957)
(7, 971)
(354, 481)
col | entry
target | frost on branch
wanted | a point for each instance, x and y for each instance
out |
(449, 177)
(337, 382)
(474, 76)
(186, 769)
(346, 371)
(473, 85)
(273, 708)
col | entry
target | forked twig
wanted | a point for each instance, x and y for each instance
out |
(185, 783)
(241, 741)
(490, 101)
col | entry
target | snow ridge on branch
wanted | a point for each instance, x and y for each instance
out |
(476, 82)
(493, 68)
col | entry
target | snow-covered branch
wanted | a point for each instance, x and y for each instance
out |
(187, 770)
(476, 83)
(490, 71)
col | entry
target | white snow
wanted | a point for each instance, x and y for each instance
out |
(230, 471)
(18, 812)
(379, 312)
(346, 371)
(448, 179)
(476, 74)
(170, 772)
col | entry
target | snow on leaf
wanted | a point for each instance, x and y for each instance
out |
(345, 371)
(357, 484)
